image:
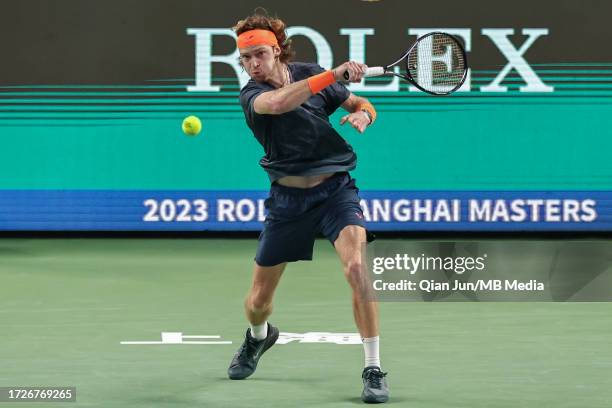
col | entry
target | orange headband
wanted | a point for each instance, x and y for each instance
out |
(256, 37)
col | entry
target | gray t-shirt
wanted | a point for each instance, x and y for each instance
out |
(301, 142)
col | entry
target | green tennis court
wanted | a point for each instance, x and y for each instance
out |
(67, 304)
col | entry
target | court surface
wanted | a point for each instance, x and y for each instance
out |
(66, 304)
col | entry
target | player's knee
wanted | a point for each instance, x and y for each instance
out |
(258, 300)
(354, 273)
(260, 305)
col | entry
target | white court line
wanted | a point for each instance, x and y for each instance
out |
(166, 343)
(201, 337)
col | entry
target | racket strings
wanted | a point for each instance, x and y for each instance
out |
(437, 63)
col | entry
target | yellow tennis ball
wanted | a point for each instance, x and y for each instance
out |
(192, 125)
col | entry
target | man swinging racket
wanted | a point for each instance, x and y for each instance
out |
(287, 106)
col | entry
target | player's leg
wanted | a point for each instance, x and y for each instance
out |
(286, 237)
(260, 336)
(349, 246)
(344, 225)
(258, 302)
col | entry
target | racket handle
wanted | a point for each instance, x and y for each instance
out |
(374, 71)
(370, 72)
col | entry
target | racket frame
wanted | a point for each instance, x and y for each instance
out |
(408, 77)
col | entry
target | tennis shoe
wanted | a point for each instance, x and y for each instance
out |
(246, 358)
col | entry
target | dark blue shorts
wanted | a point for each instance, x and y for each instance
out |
(297, 215)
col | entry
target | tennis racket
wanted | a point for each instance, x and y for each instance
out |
(436, 63)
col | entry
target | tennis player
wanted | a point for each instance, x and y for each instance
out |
(287, 106)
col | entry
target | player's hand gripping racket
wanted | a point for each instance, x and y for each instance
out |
(436, 63)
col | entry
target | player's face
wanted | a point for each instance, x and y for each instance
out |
(258, 61)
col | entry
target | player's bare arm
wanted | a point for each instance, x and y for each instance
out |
(289, 97)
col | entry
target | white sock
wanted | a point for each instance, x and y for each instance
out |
(370, 347)
(260, 331)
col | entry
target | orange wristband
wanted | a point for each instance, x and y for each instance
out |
(367, 106)
(318, 82)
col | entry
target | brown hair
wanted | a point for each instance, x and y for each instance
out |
(261, 20)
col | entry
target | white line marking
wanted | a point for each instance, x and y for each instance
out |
(184, 342)
(201, 337)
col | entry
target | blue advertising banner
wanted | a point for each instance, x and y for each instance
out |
(245, 210)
